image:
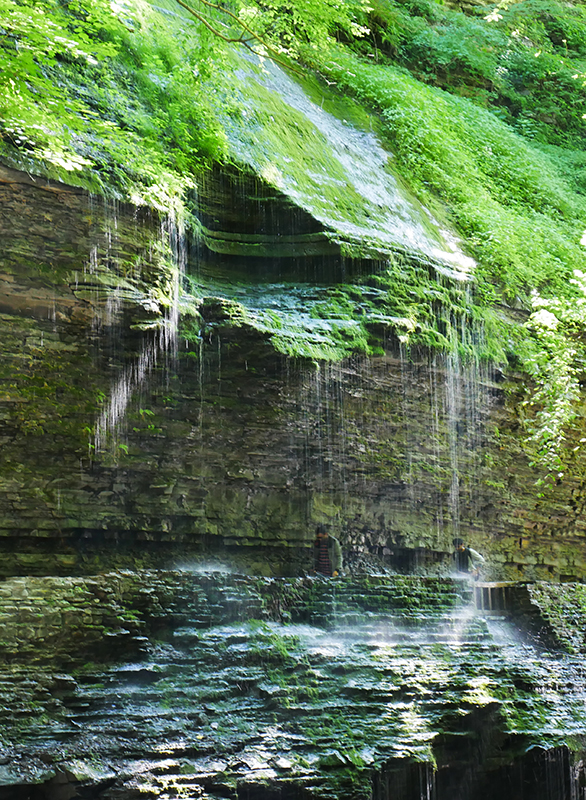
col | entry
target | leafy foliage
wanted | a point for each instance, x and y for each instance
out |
(89, 89)
(281, 26)
(521, 220)
(485, 113)
(519, 215)
(557, 324)
(32, 107)
(524, 60)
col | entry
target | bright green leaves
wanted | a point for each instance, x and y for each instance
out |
(557, 325)
(44, 30)
(505, 196)
(282, 27)
(36, 118)
(517, 58)
(104, 95)
(307, 22)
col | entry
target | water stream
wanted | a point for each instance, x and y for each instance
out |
(344, 177)
(367, 688)
(158, 342)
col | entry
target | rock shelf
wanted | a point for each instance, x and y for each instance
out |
(174, 684)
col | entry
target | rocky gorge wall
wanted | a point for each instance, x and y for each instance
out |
(128, 442)
(169, 683)
(304, 328)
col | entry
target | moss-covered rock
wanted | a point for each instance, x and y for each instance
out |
(393, 682)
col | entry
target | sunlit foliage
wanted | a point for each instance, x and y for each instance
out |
(104, 90)
(484, 112)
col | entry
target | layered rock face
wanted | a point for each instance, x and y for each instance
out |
(141, 427)
(69, 257)
(126, 444)
(165, 684)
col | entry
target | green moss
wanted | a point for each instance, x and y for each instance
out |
(564, 608)
(47, 385)
(336, 172)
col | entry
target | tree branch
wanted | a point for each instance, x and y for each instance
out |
(272, 54)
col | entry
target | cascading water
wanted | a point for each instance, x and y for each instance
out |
(154, 345)
(351, 189)
(256, 448)
(387, 484)
(466, 405)
(380, 688)
(376, 689)
(348, 182)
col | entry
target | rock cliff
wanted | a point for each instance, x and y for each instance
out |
(128, 441)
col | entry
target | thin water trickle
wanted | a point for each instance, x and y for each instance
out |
(409, 444)
(436, 449)
(132, 377)
(154, 345)
(453, 400)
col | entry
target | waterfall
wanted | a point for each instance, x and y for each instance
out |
(343, 159)
(154, 345)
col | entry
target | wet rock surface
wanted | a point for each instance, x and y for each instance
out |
(123, 447)
(64, 253)
(238, 687)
